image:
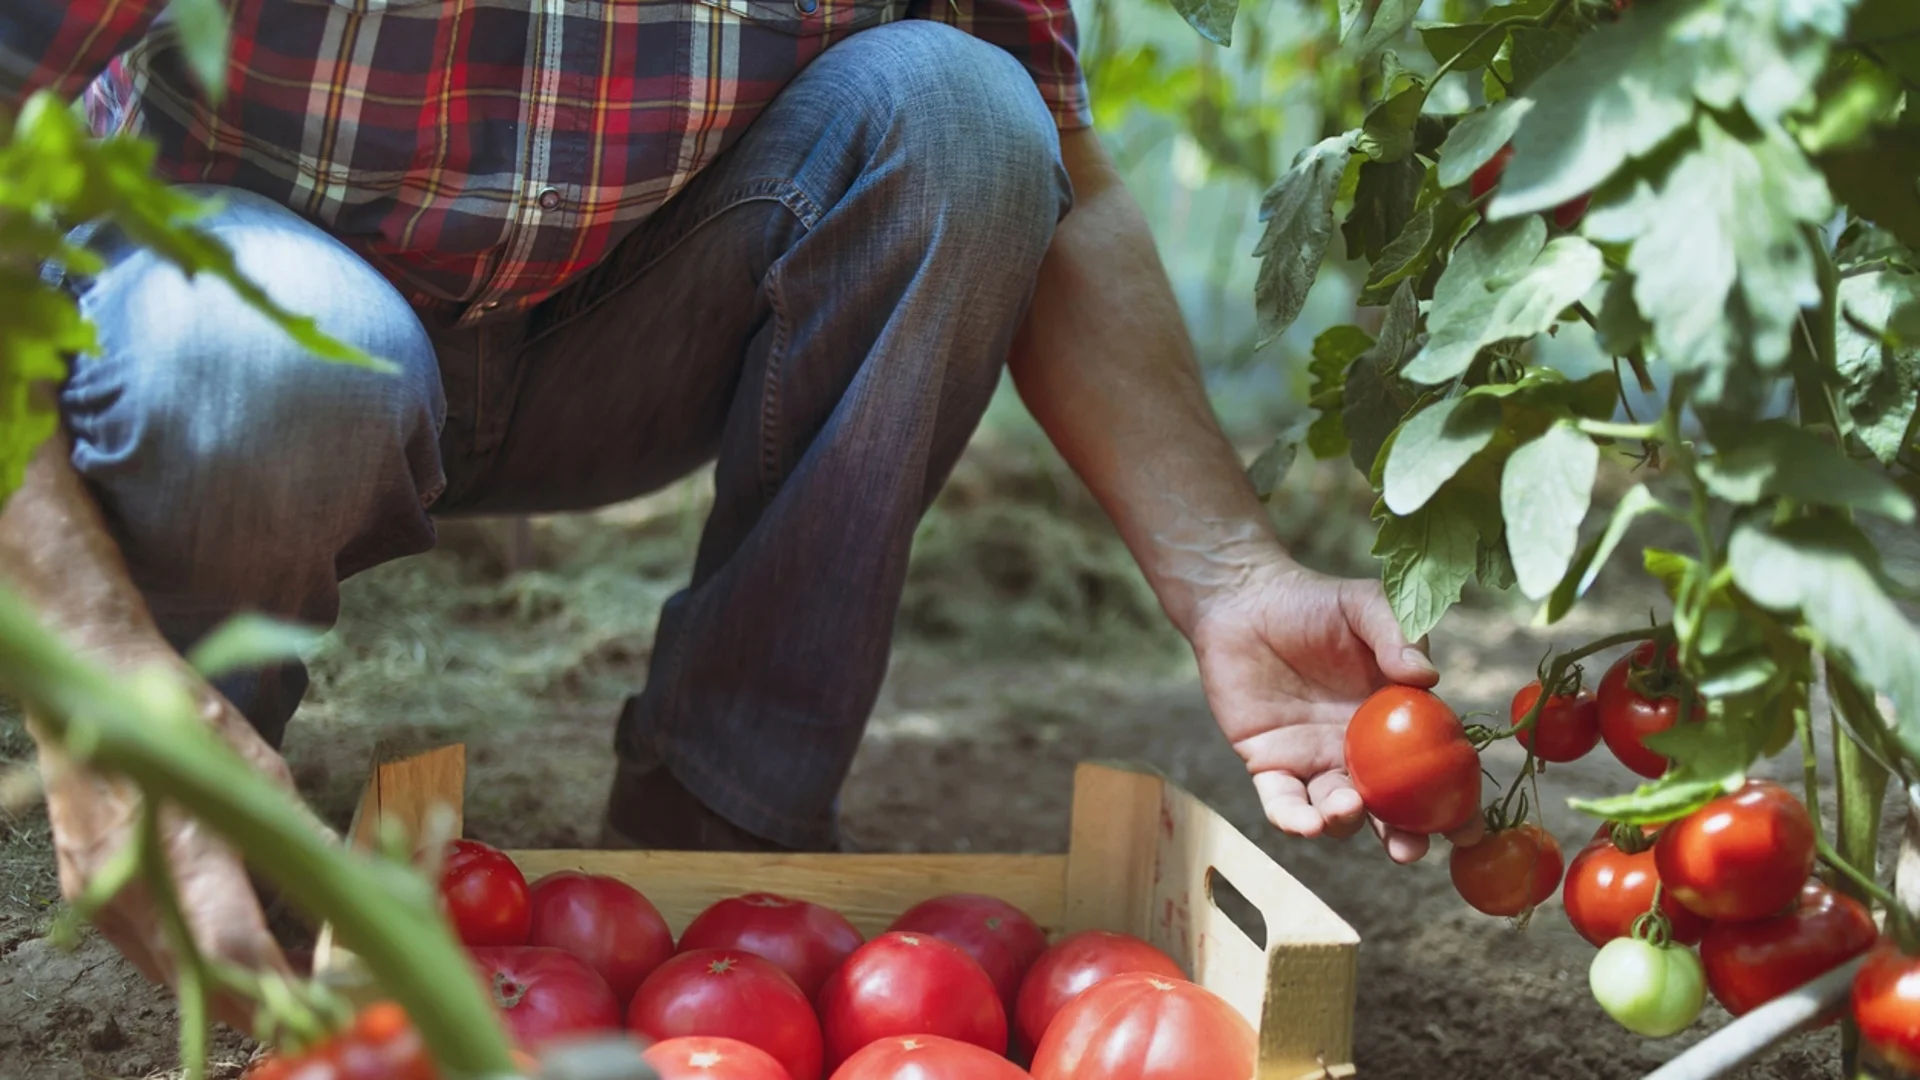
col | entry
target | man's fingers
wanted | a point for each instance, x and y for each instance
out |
(1338, 803)
(1371, 617)
(1284, 798)
(1402, 846)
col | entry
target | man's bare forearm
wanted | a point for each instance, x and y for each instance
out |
(1105, 365)
(56, 552)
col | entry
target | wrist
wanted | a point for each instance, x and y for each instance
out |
(1200, 579)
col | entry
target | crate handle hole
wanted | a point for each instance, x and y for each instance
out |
(1239, 910)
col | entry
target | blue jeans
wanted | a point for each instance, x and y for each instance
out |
(823, 314)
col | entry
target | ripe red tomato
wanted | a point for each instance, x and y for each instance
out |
(1508, 872)
(605, 922)
(1487, 177)
(707, 1057)
(1144, 1027)
(1751, 963)
(1411, 763)
(1627, 716)
(909, 984)
(485, 895)
(1075, 963)
(1000, 937)
(1886, 1006)
(380, 1044)
(736, 995)
(926, 1057)
(807, 941)
(1572, 212)
(1741, 856)
(545, 993)
(1607, 889)
(1568, 727)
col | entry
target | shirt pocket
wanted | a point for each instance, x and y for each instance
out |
(809, 18)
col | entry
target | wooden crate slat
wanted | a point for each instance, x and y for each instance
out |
(871, 890)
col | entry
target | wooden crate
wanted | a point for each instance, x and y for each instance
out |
(1144, 858)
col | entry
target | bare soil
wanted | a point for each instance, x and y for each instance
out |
(1026, 644)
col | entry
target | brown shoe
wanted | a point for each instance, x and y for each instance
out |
(649, 809)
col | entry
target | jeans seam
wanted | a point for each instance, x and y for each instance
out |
(769, 189)
(770, 391)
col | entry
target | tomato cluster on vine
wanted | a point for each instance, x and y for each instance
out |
(768, 987)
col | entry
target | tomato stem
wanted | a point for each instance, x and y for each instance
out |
(1557, 672)
(189, 968)
(1861, 881)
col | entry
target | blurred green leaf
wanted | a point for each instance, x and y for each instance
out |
(1593, 557)
(204, 37)
(1375, 399)
(1433, 445)
(1212, 18)
(1880, 373)
(1505, 282)
(1428, 556)
(1544, 494)
(246, 642)
(1298, 212)
(1776, 459)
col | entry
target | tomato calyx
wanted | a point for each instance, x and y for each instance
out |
(1658, 676)
(1630, 839)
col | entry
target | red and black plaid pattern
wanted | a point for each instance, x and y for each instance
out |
(479, 152)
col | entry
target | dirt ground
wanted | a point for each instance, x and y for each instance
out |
(1026, 644)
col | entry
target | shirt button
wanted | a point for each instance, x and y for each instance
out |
(806, 7)
(550, 198)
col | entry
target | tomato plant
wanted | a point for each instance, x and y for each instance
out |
(1146, 1027)
(1609, 886)
(1001, 938)
(926, 1057)
(1410, 761)
(546, 993)
(1072, 965)
(1741, 856)
(910, 984)
(1750, 963)
(708, 1057)
(1567, 727)
(736, 995)
(803, 939)
(1886, 1005)
(485, 895)
(1509, 872)
(605, 922)
(1651, 989)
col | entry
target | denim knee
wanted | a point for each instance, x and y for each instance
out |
(236, 467)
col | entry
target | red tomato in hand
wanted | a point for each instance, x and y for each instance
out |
(736, 995)
(1741, 856)
(1508, 872)
(1075, 963)
(807, 941)
(1000, 937)
(708, 1057)
(1628, 716)
(1750, 963)
(910, 984)
(485, 895)
(1607, 889)
(926, 1057)
(1886, 1006)
(1411, 763)
(605, 922)
(1568, 727)
(1144, 1027)
(545, 993)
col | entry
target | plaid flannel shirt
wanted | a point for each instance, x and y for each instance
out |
(480, 153)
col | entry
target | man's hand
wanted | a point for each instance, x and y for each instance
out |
(93, 817)
(1286, 657)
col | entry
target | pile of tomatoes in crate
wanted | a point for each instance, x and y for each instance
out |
(1734, 878)
(764, 987)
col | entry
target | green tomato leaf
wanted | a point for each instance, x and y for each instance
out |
(1620, 328)
(1428, 558)
(1505, 287)
(247, 642)
(1298, 212)
(1674, 795)
(1495, 569)
(1534, 51)
(1544, 494)
(1376, 400)
(1825, 569)
(1433, 445)
(1875, 179)
(1212, 18)
(1890, 30)
(1586, 567)
(1269, 470)
(1880, 374)
(1721, 264)
(1334, 351)
(1387, 134)
(1390, 20)
(204, 36)
(1477, 137)
(1383, 206)
(1777, 459)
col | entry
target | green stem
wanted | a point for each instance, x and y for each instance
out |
(1557, 671)
(1607, 429)
(1864, 887)
(1809, 761)
(1545, 18)
(134, 728)
(1861, 786)
(189, 966)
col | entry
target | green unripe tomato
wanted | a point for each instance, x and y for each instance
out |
(1651, 990)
